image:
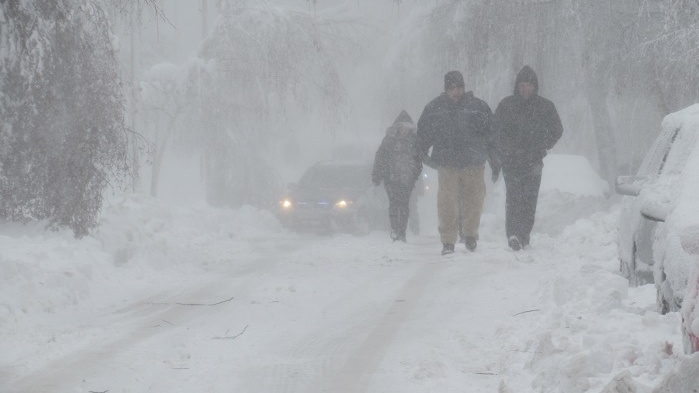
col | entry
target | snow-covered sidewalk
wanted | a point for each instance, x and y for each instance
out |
(199, 299)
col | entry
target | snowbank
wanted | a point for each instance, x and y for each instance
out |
(142, 243)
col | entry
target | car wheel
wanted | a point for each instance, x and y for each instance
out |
(690, 342)
(637, 277)
(663, 304)
(361, 225)
(628, 268)
(633, 274)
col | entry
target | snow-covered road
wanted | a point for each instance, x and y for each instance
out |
(302, 313)
(334, 315)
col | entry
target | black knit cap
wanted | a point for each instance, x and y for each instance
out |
(453, 79)
(527, 74)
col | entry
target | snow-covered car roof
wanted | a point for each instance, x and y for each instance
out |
(685, 213)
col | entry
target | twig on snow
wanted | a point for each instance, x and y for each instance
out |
(524, 312)
(231, 337)
(196, 304)
(92, 391)
(204, 304)
(517, 350)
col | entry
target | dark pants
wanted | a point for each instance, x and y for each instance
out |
(414, 218)
(399, 206)
(522, 194)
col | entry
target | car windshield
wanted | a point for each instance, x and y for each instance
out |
(337, 177)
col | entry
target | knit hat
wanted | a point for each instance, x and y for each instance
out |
(527, 74)
(453, 79)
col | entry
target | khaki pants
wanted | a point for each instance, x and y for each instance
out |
(460, 197)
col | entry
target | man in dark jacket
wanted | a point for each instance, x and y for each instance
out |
(398, 165)
(457, 126)
(527, 125)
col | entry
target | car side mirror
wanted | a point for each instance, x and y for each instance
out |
(655, 211)
(629, 185)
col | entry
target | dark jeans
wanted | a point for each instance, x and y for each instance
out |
(522, 194)
(399, 206)
(414, 217)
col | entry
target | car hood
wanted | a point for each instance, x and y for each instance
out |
(317, 195)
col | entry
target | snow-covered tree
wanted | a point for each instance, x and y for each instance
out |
(262, 71)
(670, 51)
(606, 64)
(63, 138)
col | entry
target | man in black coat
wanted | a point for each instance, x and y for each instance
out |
(527, 125)
(398, 165)
(457, 126)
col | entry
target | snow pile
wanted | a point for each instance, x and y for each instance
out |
(42, 271)
(588, 327)
(570, 189)
(141, 243)
(683, 377)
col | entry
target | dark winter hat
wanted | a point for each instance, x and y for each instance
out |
(527, 74)
(404, 117)
(453, 79)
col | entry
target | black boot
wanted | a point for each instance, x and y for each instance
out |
(514, 243)
(471, 242)
(447, 248)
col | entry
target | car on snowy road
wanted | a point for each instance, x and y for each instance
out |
(333, 197)
(660, 208)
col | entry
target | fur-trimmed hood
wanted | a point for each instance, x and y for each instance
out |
(403, 120)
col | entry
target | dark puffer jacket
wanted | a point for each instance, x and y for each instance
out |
(397, 160)
(459, 133)
(526, 128)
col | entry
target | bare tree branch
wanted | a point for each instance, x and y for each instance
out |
(230, 337)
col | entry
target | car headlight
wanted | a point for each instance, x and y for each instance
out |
(342, 204)
(286, 204)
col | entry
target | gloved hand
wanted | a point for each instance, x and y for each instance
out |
(495, 175)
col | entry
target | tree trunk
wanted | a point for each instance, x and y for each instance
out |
(158, 160)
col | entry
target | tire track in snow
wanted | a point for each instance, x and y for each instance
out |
(357, 372)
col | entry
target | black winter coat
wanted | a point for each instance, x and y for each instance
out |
(459, 133)
(397, 161)
(526, 128)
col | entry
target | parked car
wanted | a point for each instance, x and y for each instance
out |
(689, 240)
(660, 208)
(333, 197)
